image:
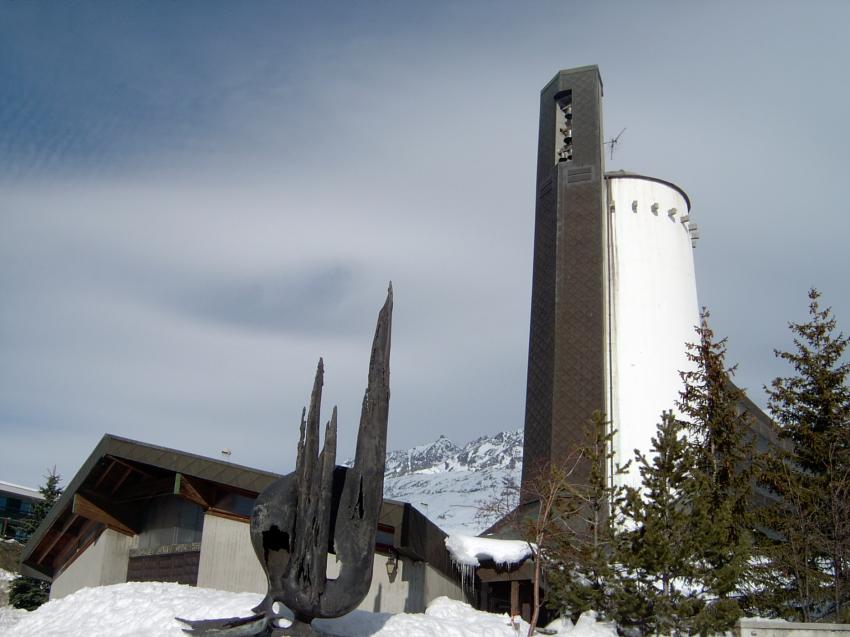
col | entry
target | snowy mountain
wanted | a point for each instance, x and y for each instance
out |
(448, 483)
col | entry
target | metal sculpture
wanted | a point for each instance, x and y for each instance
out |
(321, 508)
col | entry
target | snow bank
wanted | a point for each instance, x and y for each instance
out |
(449, 618)
(468, 550)
(9, 617)
(587, 626)
(6, 578)
(140, 609)
(148, 609)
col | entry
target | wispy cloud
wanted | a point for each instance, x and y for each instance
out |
(200, 199)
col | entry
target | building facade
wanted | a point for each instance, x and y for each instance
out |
(139, 512)
(613, 289)
(16, 505)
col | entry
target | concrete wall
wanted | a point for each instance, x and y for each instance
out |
(653, 306)
(101, 564)
(437, 585)
(228, 562)
(409, 590)
(763, 628)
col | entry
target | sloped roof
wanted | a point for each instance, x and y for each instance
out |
(137, 470)
(120, 473)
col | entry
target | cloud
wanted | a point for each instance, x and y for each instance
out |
(197, 204)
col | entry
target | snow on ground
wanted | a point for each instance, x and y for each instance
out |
(468, 550)
(140, 609)
(148, 609)
(9, 617)
(6, 578)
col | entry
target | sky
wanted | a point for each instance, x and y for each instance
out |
(200, 199)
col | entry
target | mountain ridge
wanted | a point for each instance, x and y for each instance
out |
(449, 482)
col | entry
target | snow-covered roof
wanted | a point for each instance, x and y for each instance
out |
(469, 550)
(16, 489)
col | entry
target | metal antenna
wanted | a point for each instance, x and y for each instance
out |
(613, 142)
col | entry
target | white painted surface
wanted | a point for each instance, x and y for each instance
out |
(654, 309)
(102, 563)
(227, 560)
(747, 627)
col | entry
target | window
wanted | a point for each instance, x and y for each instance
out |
(385, 537)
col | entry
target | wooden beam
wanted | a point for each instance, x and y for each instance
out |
(116, 517)
(65, 557)
(124, 476)
(194, 490)
(146, 489)
(55, 537)
(220, 513)
(131, 465)
(106, 471)
(523, 572)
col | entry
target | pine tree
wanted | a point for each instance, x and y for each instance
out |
(586, 552)
(721, 479)
(811, 409)
(27, 592)
(657, 547)
(790, 581)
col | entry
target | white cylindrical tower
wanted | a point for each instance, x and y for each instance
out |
(652, 306)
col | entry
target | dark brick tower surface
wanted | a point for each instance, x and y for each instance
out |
(567, 342)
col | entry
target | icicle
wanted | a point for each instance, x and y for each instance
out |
(467, 575)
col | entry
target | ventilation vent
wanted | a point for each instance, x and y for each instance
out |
(578, 175)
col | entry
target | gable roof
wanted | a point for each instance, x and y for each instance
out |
(118, 473)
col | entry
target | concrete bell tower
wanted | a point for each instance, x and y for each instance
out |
(567, 343)
(613, 299)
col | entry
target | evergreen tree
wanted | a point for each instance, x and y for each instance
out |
(657, 546)
(587, 579)
(721, 479)
(790, 581)
(811, 409)
(27, 592)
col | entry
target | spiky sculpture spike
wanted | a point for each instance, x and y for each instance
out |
(321, 508)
